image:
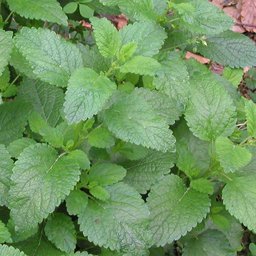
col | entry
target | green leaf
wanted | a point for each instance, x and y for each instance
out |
(208, 243)
(234, 76)
(250, 111)
(143, 173)
(239, 199)
(5, 236)
(13, 118)
(232, 157)
(202, 185)
(174, 209)
(149, 37)
(101, 137)
(210, 112)
(45, 99)
(45, 10)
(10, 251)
(86, 95)
(70, 7)
(106, 173)
(6, 165)
(134, 119)
(60, 230)
(81, 158)
(86, 11)
(17, 146)
(132, 151)
(47, 180)
(76, 202)
(6, 48)
(52, 58)
(141, 65)
(116, 223)
(100, 193)
(230, 49)
(106, 36)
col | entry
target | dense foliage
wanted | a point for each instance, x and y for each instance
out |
(111, 143)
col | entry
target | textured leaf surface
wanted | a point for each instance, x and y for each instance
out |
(86, 95)
(174, 209)
(46, 10)
(51, 57)
(208, 243)
(143, 173)
(10, 251)
(46, 100)
(101, 137)
(76, 202)
(232, 157)
(133, 119)
(210, 112)
(5, 236)
(106, 36)
(6, 49)
(6, 165)
(46, 180)
(17, 146)
(149, 37)
(115, 223)
(60, 230)
(250, 111)
(231, 49)
(13, 118)
(239, 197)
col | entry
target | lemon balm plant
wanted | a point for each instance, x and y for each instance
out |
(111, 143)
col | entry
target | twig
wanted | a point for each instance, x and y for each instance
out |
(245, 25)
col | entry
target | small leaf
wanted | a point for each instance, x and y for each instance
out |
(100, 193)
(5, 236)
(202, 185)
(76, 202)
(86, 11)
(10, 251)
(250, 111)
(101, 137)
(70, 7)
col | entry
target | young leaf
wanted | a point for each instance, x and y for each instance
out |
(116, 223)
(106, 36)
(5, 236)
(232, 157)
(60, 230)
(174, 209)
(86, 11)
(86, 95)
(250, 111)
(99, 192)
(148, 36)
(239, 199)
(45, 10)
(133, 119)
(76, 202)
(10, 251)
(6, 48)
(143, 173)
(202, 185)
(51, 57)
(70, 7)
(101, 137)
(47, 180)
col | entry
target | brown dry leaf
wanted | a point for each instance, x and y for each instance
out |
(218, 3)
(197, 57)
(118, 20)
(234, 12)
(248, 15)
(86, 24)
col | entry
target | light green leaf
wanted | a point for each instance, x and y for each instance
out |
(250, 111)
(132, 151)
(141, 65)
(17, 146)
(45, 10)
(70, 7)
(6, 48)
(52, 58)
(134, 119)
(208, 243)
(210, 112)
(239, 199)
(101, 137)
(47, 180)
(232, 157)
(174, 209)
(5, 236)
(149, 37)
(81, 158)
(60, 230)
(76, 202)
(202, 185)
(115, 224)
(143, 173)
(86, 11)
(100, 193)
(45, 99)
(234, 76)
(106, 36)
(230, 49)
(10, 251)
(13, 118)
(86, 95)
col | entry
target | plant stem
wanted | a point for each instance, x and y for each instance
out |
(8, 17)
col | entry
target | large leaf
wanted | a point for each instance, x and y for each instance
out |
(86, 95)
(143, 173)
(231, 49)
(10, 251)
(239, 197)
(45, 99)
(46, 180)
(51, 57)
(134, 119)
(148, 36)
(6, 48)
(210, 112)
(174, 209)
(46, 10)
(116, 223)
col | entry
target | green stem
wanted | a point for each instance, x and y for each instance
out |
(15, 79)
(8, 17)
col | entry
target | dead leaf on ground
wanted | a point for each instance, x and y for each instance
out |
(248, 15)
(197, 57)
